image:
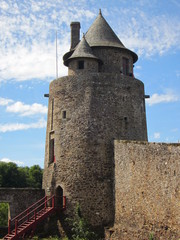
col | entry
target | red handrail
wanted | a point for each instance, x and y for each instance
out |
(29, 214)
(33, 212)
(28, 208)
(44, 203)
(16, 227)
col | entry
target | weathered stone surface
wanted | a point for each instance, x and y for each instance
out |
(133, 185)
(99, 108)
(147, 192)
(20, 198)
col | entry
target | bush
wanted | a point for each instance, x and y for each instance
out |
(4, 214)
(80, 228)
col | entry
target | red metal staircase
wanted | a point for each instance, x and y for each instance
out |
(27, 221)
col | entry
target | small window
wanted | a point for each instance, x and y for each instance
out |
(125, 66)
(80, 64)
(64, 114)
(51, 151)
(52, 112)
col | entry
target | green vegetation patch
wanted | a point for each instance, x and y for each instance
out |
(4, 207)
(20, 177)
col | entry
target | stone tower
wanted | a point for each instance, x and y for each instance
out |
(99, 101)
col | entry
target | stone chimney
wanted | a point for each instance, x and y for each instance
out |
(75, 34)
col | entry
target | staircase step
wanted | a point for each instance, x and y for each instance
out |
(44, 212)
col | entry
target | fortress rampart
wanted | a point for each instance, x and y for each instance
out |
(147, 190)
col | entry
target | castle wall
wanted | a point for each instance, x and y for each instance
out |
(20, 198)
(99, 108)
(113, 59)
(90, 66)
(147, 196)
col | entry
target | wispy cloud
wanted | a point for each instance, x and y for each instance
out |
(162, 98)
(138, 67)
(178, 73)
(157, 135)
(5, 101)
(174, 130)
(28, 39)
(7, 160)
(148, 34)
(38, 62)
(11, 127)
(27, 110)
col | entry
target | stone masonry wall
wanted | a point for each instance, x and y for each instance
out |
(20, 198)
(90, 66)
(99, 108)
(147, 190)
(112, 59)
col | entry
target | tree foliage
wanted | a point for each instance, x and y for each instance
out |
(20, 177)
(4, 214)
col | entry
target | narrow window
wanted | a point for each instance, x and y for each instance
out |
(64, 114)
(80, 64)
(52, 112)
(126, 122)
(125, 66)
(51, 151)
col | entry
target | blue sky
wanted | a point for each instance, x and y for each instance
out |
(27, 64)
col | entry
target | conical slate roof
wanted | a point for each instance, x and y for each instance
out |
(82, 50)
(101, 34)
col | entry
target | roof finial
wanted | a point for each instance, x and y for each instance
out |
(100, 13)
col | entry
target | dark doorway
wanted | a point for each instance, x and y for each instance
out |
(59, 197)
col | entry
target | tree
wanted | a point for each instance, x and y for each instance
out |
(9, 174)
(35, 176)
(19, 177)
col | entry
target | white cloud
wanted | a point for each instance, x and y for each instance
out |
(27, 110)
(157, 135)
(38, 62)
(162, 98)
(138, 67)
(28, 39)
(7, 160)
(10, 127)
(5, 101)
(148, 34)
(22, 108)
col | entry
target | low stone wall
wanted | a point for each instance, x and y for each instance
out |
(20, 198)
(147, 196)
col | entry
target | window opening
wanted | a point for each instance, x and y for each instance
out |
(64, 115)
(125, 66)
(59, 197)
(126, 123)
(51, 151)
(80, 64)
(52, 112)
